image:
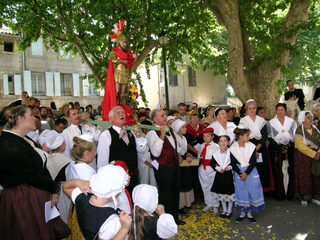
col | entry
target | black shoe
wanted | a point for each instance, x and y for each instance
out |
(228, 215)
(223, 215)
(252, 220)
(181, 211)
(239, 219)
(180, 222)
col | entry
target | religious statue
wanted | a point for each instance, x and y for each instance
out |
(119, 71)
(122, 61)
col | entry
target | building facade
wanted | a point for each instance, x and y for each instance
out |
(43, 73)
(201, 87)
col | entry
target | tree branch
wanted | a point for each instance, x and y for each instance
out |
(297, 15)
(215, 11)
(142, 18)
(148, 48)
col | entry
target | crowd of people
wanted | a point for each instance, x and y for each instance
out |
(115, 183)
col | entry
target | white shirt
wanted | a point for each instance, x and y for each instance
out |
(156, 144)
(79, 171)
(69, 133)
(104, 143)
(182, 144)
(34, 135)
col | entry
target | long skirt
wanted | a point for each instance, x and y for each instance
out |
(22, 215)
(283, 174)
(307, 186)
(186, 188)
(248, 193)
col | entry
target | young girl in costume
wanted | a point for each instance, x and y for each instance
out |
(223, 185)
(124, 199)
(146, 226)
(84, 152)
(206, 172)
(95, 213)
(248, 188)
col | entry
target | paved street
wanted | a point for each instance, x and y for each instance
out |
(280, 220)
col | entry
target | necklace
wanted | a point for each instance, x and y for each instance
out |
(223, 150)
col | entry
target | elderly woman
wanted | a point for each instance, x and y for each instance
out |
(258, 136)
(281, 134)
(27, 184)
(316, 112)
(306, 143)
(209, 116)
(222, 126)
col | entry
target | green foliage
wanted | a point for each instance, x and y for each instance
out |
(304, 62)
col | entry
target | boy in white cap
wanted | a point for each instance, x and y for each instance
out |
(94, 214)
(145, 226)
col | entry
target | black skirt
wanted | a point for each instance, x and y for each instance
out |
(223, 183)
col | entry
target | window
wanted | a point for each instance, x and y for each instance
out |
(38, 84)
(8, 46)
(192, 77)
(66, 84)
(10, 85)
(173, 78)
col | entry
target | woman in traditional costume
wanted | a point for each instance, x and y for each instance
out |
(281, 134)
(306, 143)
(209, 116)
(222, 126)
(258, 136)
(84, 152)
(27, 183)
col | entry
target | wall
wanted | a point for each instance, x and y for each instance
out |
(209, 89)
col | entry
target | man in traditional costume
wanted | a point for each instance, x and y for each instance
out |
(119, 71)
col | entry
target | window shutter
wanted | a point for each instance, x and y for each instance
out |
(17, 84)
(5, 84)
(27, 82)
(57, 86)
(49, 84)
(76, 87)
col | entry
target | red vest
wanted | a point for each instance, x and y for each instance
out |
(169, 155)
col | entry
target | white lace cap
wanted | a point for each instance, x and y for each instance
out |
(86, 137)
(177, 124)
(170, 118)
(109, 181)
(54, 140)
(146, 197)
(302, 116)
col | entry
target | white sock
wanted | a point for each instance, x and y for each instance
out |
(224, 206)
(230, 206)
(242, 214)
(249, 214)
